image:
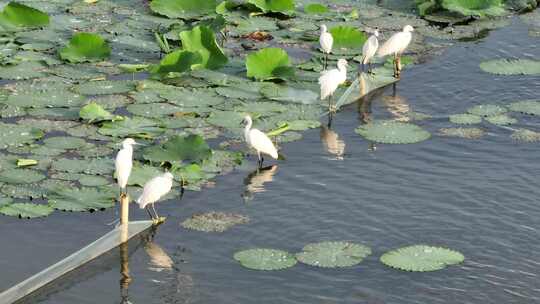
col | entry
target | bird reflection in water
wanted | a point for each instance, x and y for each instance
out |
(397, 106)
(159, 259)
(255, 181)
(332, 143)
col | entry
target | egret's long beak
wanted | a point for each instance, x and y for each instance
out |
(243, 122)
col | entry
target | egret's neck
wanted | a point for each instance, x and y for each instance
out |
(128, 148)
(247, 129)
(342, 69)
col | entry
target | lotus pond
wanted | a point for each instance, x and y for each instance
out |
(444, 157)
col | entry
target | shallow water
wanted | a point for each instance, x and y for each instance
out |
(475, 196)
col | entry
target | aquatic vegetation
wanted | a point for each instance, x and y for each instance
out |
(176, 62)
(269, 63)
(421, 258)
(524, 135)
(478, 8)
(393, 132)
(13, 135)
(465, 119)
(26, 210)
(333, 254)
(191, 148)
(511, 66)
(315, 8)
(21, 176)
(82, 199)
(486, 110)
(468, 133)
(137, 127)
(501, 119)
(16, 15)
(201, 40)
(185, 9)
(347, 37)
(531, 107)
(104, 87)
(265, 259)
(93, 112)
(276, 6)
(85, 47)
(214, 221)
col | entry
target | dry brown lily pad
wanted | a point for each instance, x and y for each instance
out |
(214, 221)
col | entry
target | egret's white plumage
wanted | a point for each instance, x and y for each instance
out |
(397, 43)
(258, 141)
(326, 40)
(124, 162)
(330, 80)
(370, 47)
(155, 189)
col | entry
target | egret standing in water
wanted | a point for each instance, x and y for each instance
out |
(124, 163)
(153, 190)
(330, 80)
(326, 40)
(396, 45)
(369, 49)
(258, 141)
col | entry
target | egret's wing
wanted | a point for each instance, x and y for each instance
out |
(123, 165)
(370, 48)
(153, 190)
(326, 40)
(329, 82)
(261, 142)
(397, 43)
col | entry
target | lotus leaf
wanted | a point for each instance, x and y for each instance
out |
(21, 176)
(85, 47)
(64, 142)
(315, 8)
(465, 119)
(265, 259)
(26, 210)
(192, 176)
(135, 127)
(333, 254)
(525, 135)
(19, 15)
(501, 119)
(526, 106)
(64, 113)
(75, 72)
(289, 94)
(47, 151)
(222, 161)
(146, 96)
(54, 97)
(475, 7)
(185, 9)
(469, 133)
(348, 37)
(487, 110)
(12, 134)
(226, 119)
(301, 125)
(93, 112)
(276, 6)
(191, 148)
(269, 63)
(25, 162)
(202, 40)
(83, 199)
(23, 70)
(5, 200)
(511, 67)
(392, 132)
(245, 93)
(153, 110)
(89, 166)
(176, 62)
(214, 221)
(84, 179)
(249, 25)
(105, 87)
(421, 258)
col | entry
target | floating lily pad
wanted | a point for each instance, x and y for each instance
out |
(333, 254)
(85, 47)
(20, 176)
(487, 110)
(64, 142)
(176, 62)
(214, 221)
(465, 119)
(526, 106)
(315, 8)
(289, 94)
(75, 72)
(83, 199)
(201, 39)
(475, 7)
(19, 15)
(421, 258)
(501, 120)
(89, 166)
(12, 134)
(276, 6)
(191, 148)
(265, 259)
(105, 87)
(185, 9)
(511, 67)
(525, 135)
(26, 210)
(347, 37)
(93, 112)
(269, 63)
(134, 127)
(23, 70)
(45, 98)
(468, 133)
(392, 132)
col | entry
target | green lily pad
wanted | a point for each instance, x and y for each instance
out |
(45, 98)
(265, 259)
(392, 132)
(191, 148)
(315, 8)
(531, 107)
(201, 39)
(465, 119)
(26, 210)
(468, 133)
(21, 176)
(276, 6)
(501, 120)
(19, 15)
(23, 70)
(94, 112)
(475, 7)
(185, 9)
(64, 142)
(85, 47)
(105, 87)
(524, 135)
(75, 72)
(421, 258)
(289, 94)
(84, 179)
(301, 125)
(347, 37)
(178, 61)
(214, 221)
(238, 93)
(153, 110)
(99, 166)
(83, 199)
(511, 67)
(13, 135)
(132, 127)
(487, 110)
(333, 254)
(269, 63)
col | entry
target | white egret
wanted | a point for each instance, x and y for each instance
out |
(124, 163)
(153, 190)
(330, 80)
(326, 40)
(396, 45)
(369, 49)
(258, 141)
